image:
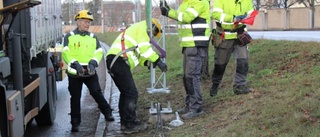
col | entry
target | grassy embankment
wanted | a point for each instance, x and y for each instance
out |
(285, 78)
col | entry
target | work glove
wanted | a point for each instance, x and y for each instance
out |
(92, 67)
(161, 65)
(75, 65)
(148, 64)
(238, 18)
(164, 8)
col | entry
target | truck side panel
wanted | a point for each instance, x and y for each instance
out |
(46, 26)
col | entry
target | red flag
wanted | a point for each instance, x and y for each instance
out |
(250, 20)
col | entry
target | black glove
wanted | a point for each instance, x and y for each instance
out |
(161, 65)
(238, 18)
(164, 8)
(148, 64)
(75, 65)
(92, 67)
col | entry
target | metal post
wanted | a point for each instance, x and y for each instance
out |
(312, 14)
(69, 1)
(83, 5)
(149, 26)
(102, 19)
(148, 14)
(158, 83)
(17, 59)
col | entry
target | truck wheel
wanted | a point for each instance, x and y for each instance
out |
(47, 115)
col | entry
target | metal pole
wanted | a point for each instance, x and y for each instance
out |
(17, 59)
(312, 15)
(149, 26)
(102, 19)
(69, 15)
(160, 80)
(139, 11)
(83, 5)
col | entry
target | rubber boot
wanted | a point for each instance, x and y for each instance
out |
(214, 90)
(75, 122)
(108, 115)
(241, 89)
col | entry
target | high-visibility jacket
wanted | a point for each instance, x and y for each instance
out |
(224, 12)
(135, 36)
(193, 18)
(81, 47)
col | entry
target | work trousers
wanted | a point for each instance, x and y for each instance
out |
(75, 88)
(192, 65)
(222, 56)
(122, 77)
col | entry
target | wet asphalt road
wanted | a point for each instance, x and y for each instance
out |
(62, 126)
(93, 123)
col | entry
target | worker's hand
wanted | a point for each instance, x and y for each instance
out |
(75, 65)
(238, 18)
(92, 67)
(164, 8)
(148, 64)
(162, 65)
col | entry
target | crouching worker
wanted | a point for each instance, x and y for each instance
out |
(82, 53)
(131, 48)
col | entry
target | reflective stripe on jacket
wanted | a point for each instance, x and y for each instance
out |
(81, 47)
(193, 18)
(135, 35)
(224, 12)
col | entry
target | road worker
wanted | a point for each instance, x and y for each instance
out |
(82, 53)
(193, 18)
(227, 14)
(130, 49)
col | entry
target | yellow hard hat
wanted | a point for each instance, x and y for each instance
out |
(84, 14)
(156, 27)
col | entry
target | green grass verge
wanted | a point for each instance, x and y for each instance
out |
(285, 78)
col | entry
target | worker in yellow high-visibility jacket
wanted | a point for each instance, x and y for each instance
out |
(82, 53)
(227, 14)
(130, 49)
(193, 17)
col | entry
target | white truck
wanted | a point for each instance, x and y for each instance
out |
(28, 68)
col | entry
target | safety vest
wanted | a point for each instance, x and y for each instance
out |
(224, 12)
(135, 36)
(193, 18)
(81, 47)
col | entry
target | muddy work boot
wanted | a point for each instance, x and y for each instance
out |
(183, 110)
(192, 114)
(134, 128)
(214, 90)
(241, 89)
(122, 127)
(108, 115)
(75, 125)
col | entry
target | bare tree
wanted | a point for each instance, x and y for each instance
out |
(118, 12)
(308, 3)
(94, 7)
(285, 3)
(65, 8)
